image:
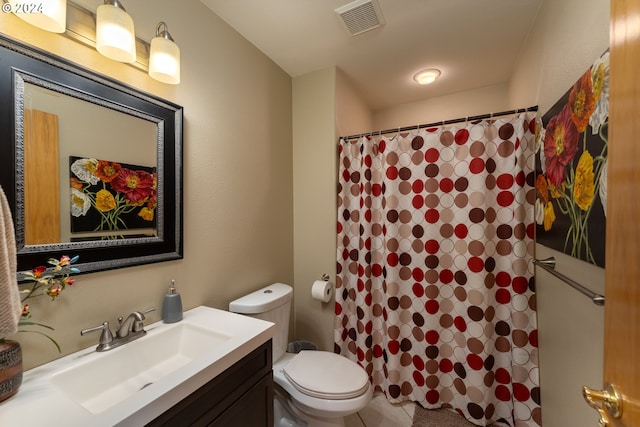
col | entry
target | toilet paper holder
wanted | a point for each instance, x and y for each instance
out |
(324, 277)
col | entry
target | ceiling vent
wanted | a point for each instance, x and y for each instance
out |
(360, 16)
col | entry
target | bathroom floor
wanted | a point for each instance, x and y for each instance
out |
(381, 413)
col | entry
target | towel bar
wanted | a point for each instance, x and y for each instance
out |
(549, 265)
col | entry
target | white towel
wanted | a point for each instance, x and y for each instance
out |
(10, 305)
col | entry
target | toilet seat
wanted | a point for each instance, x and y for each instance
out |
(326, 375)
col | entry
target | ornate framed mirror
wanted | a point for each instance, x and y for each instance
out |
(90, 166)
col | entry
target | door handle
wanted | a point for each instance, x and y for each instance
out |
(607, 401)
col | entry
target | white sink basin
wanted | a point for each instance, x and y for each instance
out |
(102, 382)
(133, 384)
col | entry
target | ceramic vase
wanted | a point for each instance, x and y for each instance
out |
(10, 368)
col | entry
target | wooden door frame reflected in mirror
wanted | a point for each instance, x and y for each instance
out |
(21, 64)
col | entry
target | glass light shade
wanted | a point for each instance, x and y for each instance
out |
(164, 60)
(49, 15)
(115, 36)
(425, 77)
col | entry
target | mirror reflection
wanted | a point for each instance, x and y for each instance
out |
(90, 172)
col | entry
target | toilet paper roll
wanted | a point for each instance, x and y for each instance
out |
(322, 290)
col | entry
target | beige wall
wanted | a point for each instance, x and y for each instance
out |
(490, 99)
(567, 38)
(238, 184)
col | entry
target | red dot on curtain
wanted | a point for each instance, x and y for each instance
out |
(418, 363)
(521, 392)
(462, 136)
(460, 324)
(533, 338)
(432, 246)
(446, 185)
(432, 337)
(338, 309)
(520, 284)
(432, 306)
(394, 346)
(432, 216)
(418, 275)
(521, 179)
(503, 296)
(475, 264)
(502, 393)
(502, 376)
(476, 165)
(503, 279)
(392, 172)
(531, 231)
(432, 155)
(377, 351)
(461, 231)
(376, 190)
(446, 276)
(505, 198)
(418, 202)
(475, 362)
(382, 145)
(445, 366)
(505, 181)
(418, 378)
(392, 259)
(432, 397)
(376, 270)
(417, 186)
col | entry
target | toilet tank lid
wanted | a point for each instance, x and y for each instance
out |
(262, 300)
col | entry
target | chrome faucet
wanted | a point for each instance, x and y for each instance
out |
(130, 329)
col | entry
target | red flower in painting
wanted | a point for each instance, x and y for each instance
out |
(560, 145)
(137, 186)
(582, 101)
(107, 171)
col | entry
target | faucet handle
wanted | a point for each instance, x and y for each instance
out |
(105, 337)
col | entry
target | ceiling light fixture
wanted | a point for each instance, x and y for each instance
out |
(115, 35)
(47, 15)
(427, 76)
(164, 57)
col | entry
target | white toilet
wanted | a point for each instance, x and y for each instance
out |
(313, 388)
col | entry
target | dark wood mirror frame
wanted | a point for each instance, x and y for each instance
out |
(22, 63)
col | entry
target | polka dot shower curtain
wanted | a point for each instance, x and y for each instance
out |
(435, 295)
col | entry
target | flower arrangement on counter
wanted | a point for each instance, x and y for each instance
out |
(42, 281)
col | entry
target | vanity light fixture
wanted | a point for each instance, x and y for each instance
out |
(164, 56)
(427, 76)
(48, 15)
(115, 35)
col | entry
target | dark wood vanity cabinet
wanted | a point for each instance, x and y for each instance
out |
(241, 396)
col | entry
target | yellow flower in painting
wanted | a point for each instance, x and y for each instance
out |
(105, 201)
(549, 216)
(146, 214)
(584, 187)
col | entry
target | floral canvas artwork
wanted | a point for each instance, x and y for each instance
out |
(571, 168)
(110, 196)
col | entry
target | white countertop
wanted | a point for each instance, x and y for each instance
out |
(40, 403)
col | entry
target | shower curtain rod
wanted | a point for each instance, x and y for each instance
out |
(445, 122)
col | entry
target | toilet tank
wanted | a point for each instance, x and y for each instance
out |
(273, 304)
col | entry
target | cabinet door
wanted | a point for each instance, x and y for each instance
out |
(254, 409)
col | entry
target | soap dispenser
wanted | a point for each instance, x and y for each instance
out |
(172, 305)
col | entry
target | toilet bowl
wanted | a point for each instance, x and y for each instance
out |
(313, 388)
